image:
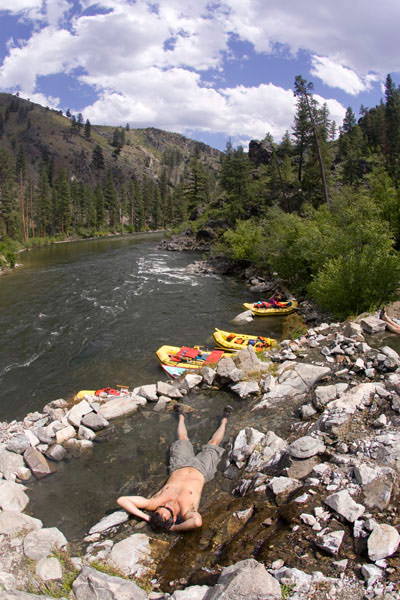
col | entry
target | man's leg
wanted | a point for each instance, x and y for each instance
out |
(219, 434)
(182, 433)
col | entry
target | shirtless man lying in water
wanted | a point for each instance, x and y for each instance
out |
(180, 496)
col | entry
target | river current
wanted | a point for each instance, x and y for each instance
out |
(91, 314)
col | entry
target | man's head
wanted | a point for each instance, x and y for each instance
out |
(162, 519)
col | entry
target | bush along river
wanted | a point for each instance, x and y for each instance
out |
(305, 502)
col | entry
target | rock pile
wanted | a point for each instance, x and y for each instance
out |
(330, 491)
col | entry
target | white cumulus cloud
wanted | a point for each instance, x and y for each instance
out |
(336, 75)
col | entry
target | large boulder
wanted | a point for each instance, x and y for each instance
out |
(12, 496)
(383, 541)
(10, 463)
(132, 554)
(93, 585)
(12, 522)
(41, 543)
(245, 580)
(120, 406)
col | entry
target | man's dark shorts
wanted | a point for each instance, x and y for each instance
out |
(206, 461)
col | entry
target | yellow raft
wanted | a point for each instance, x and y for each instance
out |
(188, 358)
(238, 341)
(264, 309)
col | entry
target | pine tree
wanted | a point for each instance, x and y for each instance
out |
(9, 213)
(349, 121)
(63, 202)
(44, 203)
(87, 129)
(98, 158)
(303, 89)
(392, 119)
(99, 204)
(111, 200)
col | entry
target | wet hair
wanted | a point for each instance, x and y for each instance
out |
(157, 523)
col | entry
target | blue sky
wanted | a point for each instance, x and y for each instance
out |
(211, 70)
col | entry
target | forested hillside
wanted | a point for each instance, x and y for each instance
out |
(321, 208)
(61, 177)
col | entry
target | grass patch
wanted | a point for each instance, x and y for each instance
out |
(55, 589)
(293, 327)
(287, 590)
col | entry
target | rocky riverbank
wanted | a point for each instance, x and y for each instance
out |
(309, 514)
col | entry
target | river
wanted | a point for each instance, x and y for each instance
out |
(90, 314)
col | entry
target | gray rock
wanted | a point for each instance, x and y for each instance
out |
(149, 392)
(365, 474)
(245, 580)
(383, 541)
(56, 452)
(64, 434)
(305, 447)
(7, 581)
(245, 388)
(116, 518)
(10, 463)
(12, 522)
(93, 585)
(371, 574)
(166, 389)
(49, 569)
(194, 592)
(326, 393)
(377, 493)
(94, 421)
(208, 375)
(227, 370)
(85, 433)
(373, 325)
(190, 381)
(77, 412)
(282, 487)
(307, 411)
(16, 595)
(243, 318)
(39, 544)
(12, 496)
(330, 542)
(19, 443)
(244, 444)
(121, 406)
(345, 506)
(44, 435)
(37, 463)
(132, 554)
(390, 353)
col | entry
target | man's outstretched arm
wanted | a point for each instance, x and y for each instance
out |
(192, 520)
(133, 504)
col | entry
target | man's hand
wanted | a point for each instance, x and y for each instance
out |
(192, 520)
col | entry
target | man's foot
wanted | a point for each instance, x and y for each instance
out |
(179, 409)
(228, 410)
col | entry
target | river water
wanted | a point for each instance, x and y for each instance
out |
(91, 314)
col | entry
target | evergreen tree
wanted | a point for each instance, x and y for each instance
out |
(87, 129)
(140, 213)
(9, 213)
(63, 207)
(304, 90)
(392, 118)
(111, 200)
(98, 158)
(44, 203)
(99, 204)
(349, 121)
(235, 179)
(79, 121)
